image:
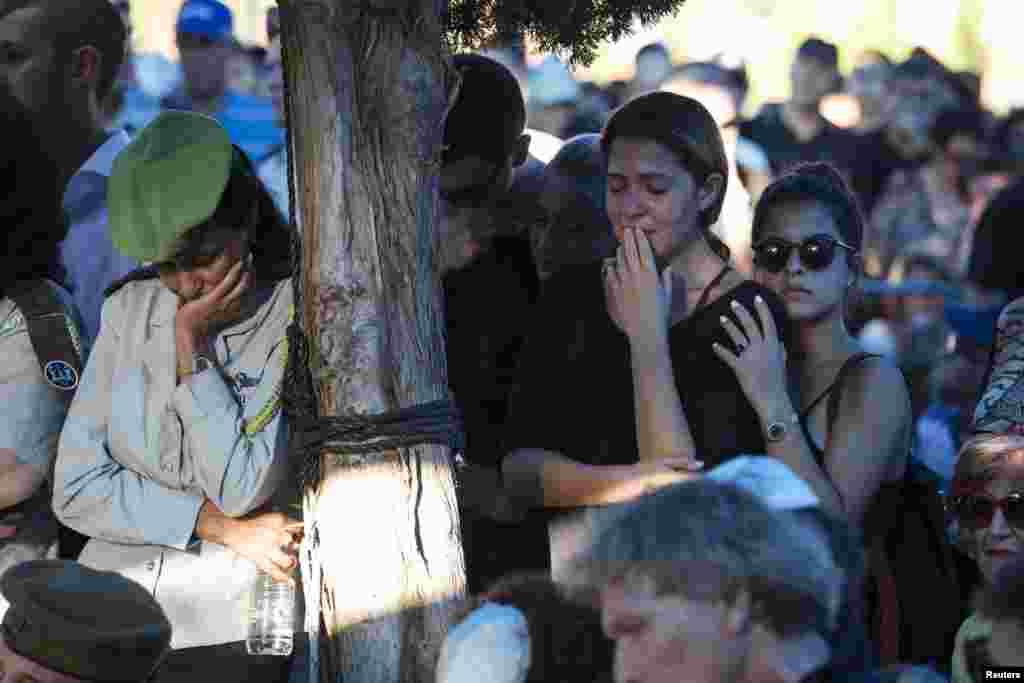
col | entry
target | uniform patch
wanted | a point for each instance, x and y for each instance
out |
(61, 375)
(13, 323)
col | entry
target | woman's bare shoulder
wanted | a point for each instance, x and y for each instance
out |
(877, 384)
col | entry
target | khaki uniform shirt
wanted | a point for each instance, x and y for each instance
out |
(30, 424)
(139, 454)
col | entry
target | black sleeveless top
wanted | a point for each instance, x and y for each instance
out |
(886, 499)
(852, 653)
(574, 387)
(909, 562)
(832, 395)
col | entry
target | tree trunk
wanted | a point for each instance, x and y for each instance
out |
(382, 561)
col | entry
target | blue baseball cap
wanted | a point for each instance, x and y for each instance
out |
(974, 323)
(208, 18)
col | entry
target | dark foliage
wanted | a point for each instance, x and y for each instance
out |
(573, 28)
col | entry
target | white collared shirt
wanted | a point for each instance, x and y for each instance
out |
(87, 252)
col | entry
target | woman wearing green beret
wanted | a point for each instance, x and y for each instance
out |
(175, 444)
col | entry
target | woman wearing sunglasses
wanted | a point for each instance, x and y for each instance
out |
(841, 417)
(987, 504)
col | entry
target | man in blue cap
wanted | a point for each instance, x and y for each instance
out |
(206, 42)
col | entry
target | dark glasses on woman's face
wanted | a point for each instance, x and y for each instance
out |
(976, 512)
(816, 252)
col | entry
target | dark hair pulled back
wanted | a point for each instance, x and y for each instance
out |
(687, 129)
(819, 182)
(246, 207)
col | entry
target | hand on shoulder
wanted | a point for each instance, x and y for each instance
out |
(757, 356)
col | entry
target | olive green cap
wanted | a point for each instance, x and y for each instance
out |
(92, 625)
(169, 179)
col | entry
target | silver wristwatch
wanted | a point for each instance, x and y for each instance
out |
(200, 363)
(778, 430)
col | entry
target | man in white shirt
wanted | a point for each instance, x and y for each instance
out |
(60, 59)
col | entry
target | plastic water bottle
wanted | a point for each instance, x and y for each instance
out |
(271, 617)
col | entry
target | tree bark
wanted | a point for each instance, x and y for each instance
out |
(382, 560)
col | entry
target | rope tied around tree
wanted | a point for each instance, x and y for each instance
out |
(351, 437)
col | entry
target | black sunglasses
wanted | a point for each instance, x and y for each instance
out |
(816, 252)
(976, 512)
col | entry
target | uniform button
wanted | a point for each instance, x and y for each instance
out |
(151, 565)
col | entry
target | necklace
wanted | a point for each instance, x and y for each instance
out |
(706, 293)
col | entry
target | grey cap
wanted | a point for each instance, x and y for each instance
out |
(97, 626)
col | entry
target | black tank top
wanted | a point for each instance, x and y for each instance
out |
(833, 397)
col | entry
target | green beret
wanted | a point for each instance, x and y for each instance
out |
(169, 179)
(98, 626)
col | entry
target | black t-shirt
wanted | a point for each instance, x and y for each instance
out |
(832, 144)
(487, 308)
(575, 388)
(994, 262)
(875, 161)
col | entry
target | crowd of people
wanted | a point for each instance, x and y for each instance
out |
(742, 396)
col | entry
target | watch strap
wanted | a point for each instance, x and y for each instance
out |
(199, 363)
(777, 430)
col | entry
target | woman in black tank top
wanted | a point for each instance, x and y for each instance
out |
(838, 416)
